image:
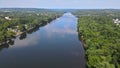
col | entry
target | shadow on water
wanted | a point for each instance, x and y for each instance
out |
(33, 30)
(53, 46)
(36, 28)
(7, 44)
(21, 37)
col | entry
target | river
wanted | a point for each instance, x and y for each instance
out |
(55, 45)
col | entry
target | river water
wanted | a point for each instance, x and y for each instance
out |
(55, 45)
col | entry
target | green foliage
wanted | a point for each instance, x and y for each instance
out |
(102, 39)
(23, 20)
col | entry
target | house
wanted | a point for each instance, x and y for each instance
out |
(116, 21)
(7, 18)
(37, 14)
(13, 30)
(26, 26)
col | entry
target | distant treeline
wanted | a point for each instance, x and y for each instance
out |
(98, 12)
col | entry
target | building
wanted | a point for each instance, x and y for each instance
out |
(7, 18)
(116, 21)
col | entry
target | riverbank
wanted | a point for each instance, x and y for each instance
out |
(101, 43)
(53, 46)
(26, 30)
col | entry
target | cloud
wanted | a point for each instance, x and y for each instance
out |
(31, 40)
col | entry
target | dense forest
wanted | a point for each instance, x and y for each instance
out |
(15, 21)
(100, 36)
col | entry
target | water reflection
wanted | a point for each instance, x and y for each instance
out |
(63, 26)
(22, 40)
(11, 42)
(23, 36)
(55, 45)
(4, 46)
(7, 44)
(28, 39)
(33, 30)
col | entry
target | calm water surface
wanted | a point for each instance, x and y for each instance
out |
(55, 45)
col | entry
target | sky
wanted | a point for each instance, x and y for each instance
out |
(61, 4)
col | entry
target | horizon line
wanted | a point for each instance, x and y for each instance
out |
(51, 8)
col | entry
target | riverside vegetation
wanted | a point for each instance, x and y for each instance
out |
(100, 36)
(96, 28)
(14, 22)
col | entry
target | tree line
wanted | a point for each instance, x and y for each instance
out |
(101, 38)
(16, 21)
